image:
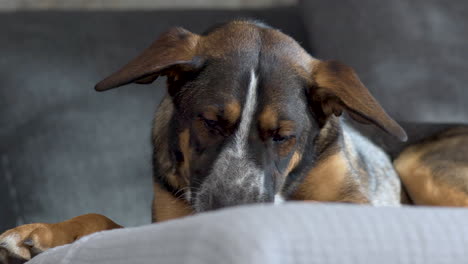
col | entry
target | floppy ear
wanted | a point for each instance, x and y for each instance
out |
(336, 87)
(175, 47)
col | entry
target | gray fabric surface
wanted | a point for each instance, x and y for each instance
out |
(293, 233)
(66, 150)
(412, 55)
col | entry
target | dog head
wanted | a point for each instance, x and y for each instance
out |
(248, 102)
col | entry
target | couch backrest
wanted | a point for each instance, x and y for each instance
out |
(66, 149)
(412, 55)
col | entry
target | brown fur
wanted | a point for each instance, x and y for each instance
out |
(229, 114)
(436, 172)
(42, 236)
(176, 45)
(268, 119)
(160, 134)
(184, 144)
(337, 176)
(339, 88)
(211, 113)
(325, 181)
(269, 123)
(166, 206)
(232, 112)
(296, 158)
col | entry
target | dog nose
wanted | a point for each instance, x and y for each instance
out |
(211, 202)
(227, 197)
(215, 204)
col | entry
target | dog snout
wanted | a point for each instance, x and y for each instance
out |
(232, 190)
(223, 197)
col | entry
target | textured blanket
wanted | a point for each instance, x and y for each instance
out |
(291, 233)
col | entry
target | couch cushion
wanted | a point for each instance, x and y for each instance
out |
(412, 55)
(70, 150)
(295, 233)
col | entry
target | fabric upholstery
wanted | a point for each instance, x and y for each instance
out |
(290, 234)
(65, 149)
(411, 54)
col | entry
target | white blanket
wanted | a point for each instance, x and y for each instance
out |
(291, 233)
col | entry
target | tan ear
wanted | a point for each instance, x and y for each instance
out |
(175, 47)
(337, 88)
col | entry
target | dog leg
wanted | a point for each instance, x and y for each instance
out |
(435, 172)
(25, 241)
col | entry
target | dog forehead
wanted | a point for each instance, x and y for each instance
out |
(282, 94)
(230, 39)
(255, 39)
(236, 48)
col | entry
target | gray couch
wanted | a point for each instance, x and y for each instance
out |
(297, 233)
(67, 150)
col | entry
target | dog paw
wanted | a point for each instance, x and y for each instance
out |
(26, 241)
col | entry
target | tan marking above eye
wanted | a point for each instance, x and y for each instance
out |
(268, 119)
(271, 126)
(232, 112)
(211, 113)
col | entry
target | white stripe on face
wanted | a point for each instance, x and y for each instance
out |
(234, 155)
(235, 178)
(242, 134)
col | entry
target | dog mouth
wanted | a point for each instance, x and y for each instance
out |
(203, 202)
(214, 195)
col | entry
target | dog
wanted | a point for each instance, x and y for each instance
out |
(251, 117)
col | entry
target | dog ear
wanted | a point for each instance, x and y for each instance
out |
(175, 47)
(336, 87)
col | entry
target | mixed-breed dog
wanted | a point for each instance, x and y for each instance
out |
(251, 117)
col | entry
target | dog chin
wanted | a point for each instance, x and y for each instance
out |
(201, 206)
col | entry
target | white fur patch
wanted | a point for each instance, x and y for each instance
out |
(242, 133)
(278, 199)
(233, 160)
(10, 243)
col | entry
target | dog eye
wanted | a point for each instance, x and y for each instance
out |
(211, 123)
(208, 122)
(279, 138)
